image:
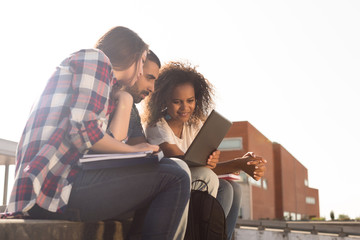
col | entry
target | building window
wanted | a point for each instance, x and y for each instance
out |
(10, 183)
(244, 177)
(254, 182)
(310, 200)
(264, 184)
(306, 182)
(298, 216)
(286, 216)
(229, 144)
(2, 173)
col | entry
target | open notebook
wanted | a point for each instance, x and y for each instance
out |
(111, 160)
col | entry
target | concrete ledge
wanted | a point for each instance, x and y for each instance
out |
(342, 228)
(15, 229)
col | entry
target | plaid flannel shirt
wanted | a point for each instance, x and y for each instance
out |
(70, 116)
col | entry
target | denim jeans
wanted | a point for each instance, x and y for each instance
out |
(201, 173)
(162, 189)
(208, 176)
(229, 196)
(197, 173)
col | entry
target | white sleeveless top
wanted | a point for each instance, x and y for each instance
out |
(162, 132)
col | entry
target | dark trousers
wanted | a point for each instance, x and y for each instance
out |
(162, 189)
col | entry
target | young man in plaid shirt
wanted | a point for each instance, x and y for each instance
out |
(71, 118)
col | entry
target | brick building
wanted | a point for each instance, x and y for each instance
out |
(283, 193)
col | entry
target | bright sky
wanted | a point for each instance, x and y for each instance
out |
(290, 68)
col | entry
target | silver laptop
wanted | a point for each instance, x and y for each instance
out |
(207, 140)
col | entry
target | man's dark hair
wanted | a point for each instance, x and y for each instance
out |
(152, 57)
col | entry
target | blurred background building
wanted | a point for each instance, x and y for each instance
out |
(284, 192)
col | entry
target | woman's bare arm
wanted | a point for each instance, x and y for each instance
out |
(110, 145)
(119, 124)
(170, 150)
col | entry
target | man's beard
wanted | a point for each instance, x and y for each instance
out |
(138, 97)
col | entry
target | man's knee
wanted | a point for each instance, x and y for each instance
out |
(181, 164)
(177, 169)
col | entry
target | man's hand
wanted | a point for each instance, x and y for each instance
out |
(258, 163)
(213, 159)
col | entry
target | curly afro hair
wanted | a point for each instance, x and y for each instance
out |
(172, 75)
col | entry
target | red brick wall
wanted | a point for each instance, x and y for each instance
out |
(253, 141)
(263, 199)
(288, 170)
(292, 190)
(312, 210)
(300, 187)
(279, 208)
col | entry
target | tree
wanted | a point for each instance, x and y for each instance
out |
(332, 216)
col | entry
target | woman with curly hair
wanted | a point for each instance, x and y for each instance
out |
(172, 75)
(174, 114)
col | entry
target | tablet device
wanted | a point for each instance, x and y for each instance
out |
(207, 140)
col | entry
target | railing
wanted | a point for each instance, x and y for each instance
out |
(7, 158)
(6, 183)
(314, 227)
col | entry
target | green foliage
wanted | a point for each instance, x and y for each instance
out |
(343, 217)
(317, 219)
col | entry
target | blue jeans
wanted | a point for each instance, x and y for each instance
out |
(201, 173)
(163, 190)
(229, 196)
(197, 173)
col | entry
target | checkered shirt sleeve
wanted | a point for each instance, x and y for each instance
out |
(70, 116)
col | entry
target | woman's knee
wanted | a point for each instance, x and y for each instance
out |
(208, 176)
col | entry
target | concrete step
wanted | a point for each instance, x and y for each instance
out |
(15, 229)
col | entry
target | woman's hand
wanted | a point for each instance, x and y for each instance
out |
(213, 159)
(259, 164)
